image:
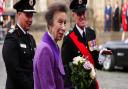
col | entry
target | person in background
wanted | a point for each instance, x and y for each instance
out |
(107, 17)
(116, 24)
(12, 24)
(6, 23)
(48, 67)
(19, 48)
(125, 16)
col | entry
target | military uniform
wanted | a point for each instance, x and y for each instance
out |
(18, 52)
(79, 42)
(74, 51)
(69, 50)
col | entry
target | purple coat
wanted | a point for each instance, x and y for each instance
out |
(48, 67)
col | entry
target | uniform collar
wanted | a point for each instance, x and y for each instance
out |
(80, 30)
(21, 28)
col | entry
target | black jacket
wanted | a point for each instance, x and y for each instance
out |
(69, 50)
(18, 52)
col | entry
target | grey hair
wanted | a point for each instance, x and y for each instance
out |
(52, 9)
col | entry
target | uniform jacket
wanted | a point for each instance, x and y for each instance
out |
(18, 52)
(69, 50)
(48, 67)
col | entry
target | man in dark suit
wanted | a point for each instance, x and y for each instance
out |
(116, 18)
(18, 48)
(83, 35)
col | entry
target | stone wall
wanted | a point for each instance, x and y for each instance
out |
(39, 22)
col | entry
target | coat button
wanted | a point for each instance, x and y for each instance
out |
(24, 52)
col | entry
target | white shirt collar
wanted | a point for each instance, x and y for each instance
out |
(21, 29)
(53, 39)
(80, 30)
(50, 35)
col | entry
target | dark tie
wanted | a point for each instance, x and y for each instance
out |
(84, 38)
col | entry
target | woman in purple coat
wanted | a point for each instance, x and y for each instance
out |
(48, 67)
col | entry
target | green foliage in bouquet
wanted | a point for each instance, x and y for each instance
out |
(80, 76)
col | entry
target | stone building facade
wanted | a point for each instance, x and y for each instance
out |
(96, 10)
(95, 17)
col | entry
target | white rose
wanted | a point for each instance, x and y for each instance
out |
(76, 60)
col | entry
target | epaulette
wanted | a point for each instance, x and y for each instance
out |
(91, 28)
(11, 30)
(67, 32)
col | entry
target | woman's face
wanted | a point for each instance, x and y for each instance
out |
(58, 28)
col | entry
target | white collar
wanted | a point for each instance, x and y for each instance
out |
(52, 37)
(80, 30)
(21, 28)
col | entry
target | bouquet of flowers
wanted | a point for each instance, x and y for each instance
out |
(82, 73)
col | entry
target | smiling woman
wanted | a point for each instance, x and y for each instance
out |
(48, 67)
(58, 28)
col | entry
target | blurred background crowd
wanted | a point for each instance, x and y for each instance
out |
(108, 17)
